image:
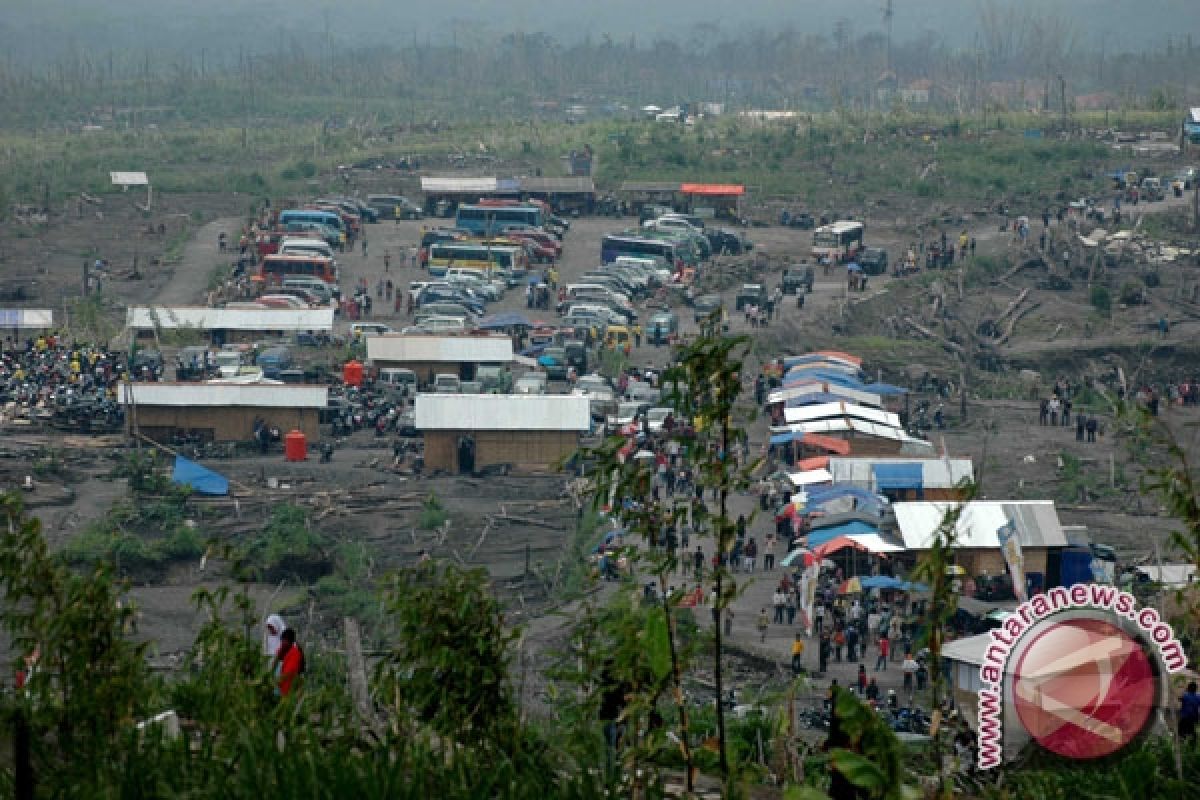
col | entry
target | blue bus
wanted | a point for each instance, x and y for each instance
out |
(485, 220)
(313, 215)
(614, 245)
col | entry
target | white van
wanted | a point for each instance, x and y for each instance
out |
(305, 246)
(580, 290)
(444, 324)
(315, 285)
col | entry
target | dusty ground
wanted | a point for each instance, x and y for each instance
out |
(525, 559)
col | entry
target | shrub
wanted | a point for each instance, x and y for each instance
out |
(433, 515)
(1101, 298)
(1131, 293)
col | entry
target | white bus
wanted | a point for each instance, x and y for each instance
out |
(839, 241)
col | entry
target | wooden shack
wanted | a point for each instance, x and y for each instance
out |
(468, 433)
(428, 356)
(221, 412)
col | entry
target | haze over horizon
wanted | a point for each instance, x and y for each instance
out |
(40, 31)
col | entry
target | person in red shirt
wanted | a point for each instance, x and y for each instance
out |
(290, 663)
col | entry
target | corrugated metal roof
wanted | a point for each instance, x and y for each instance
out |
(969, 650)
(817, 387)
(1036, 522)
(840, 409)
(457, 185)
(450, 349)
(503, 412)
(1170, 575)
(649, 186)
(877, 543)
(260, 395)
(26, 318)
(937, 473)
(810, 477)
(580, 184)
(230, 319)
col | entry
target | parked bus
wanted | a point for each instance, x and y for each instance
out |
(614, 245)
(839, 241)
(313, 215)
(276, 266)
(510, 259)
(485, 219)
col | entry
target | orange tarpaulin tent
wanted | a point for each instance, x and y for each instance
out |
(816, 462)
(713, 189)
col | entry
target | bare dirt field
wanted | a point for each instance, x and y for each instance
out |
(521, 528)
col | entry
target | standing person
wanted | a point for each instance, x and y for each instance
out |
(1053, 406)
(1080, 427)
(1043, 411)
(852, 642)
(839, 641)
(861, 680)
(910, 672)
(364, 246)
(779, 601)
(751, 555)
(1092, 426)
(273, 635)
(769, 553)
(387, 261)
(289, 664)
(698, 563)
(823, 650)
(881, 661)
(797, 655)
(1189, 712)
(791, 608)
(819, 618)
(763, 624)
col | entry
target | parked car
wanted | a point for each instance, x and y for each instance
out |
(751, 294)
(662, 326)
(445, 383)
(554, 361)
(797, 279)
(873, 260)
(705, 305)
(391, 206)
(531, 383)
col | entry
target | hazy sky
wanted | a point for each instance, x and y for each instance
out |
(34, 29)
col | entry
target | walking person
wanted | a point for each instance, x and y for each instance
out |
(791, 608)
(823, 650)
(779, 601)
(852, 637)
(769, 553)
(387, 261)
(288, 664)
(881, 661)
(910, 672)
(1189, 712)
(1092, 426)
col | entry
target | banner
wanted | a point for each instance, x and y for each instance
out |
(808, 593)
(1010, 546)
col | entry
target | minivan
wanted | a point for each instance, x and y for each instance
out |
(358, 329)
(305, 246)
(437, 324)
(663, 325)
(402, 380)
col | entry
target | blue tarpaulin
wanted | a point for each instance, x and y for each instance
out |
(824, 494)
(899, 476)
(881, 582)
(784, 438)
(202, 479)
(884, 389)
(805, 374)
(823, 535)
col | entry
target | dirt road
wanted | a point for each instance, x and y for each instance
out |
(189, 281)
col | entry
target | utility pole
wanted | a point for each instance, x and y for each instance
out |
(887, 21)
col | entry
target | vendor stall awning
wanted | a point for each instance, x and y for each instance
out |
(828, 443)
(898, 476)
(784, 438)
(811, 477)
(713, 189)
(824, 535)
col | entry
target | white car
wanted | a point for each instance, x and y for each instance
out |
(671, 224)
(655, 418)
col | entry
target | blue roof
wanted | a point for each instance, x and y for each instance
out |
(784, 438)
(906, 475)
(202, 479)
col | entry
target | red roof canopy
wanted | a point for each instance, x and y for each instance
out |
(828, 443)
(713, 189)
